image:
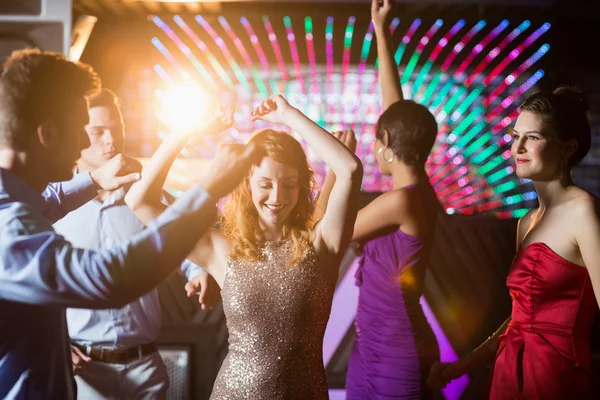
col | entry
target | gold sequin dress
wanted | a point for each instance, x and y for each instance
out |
(276, 315)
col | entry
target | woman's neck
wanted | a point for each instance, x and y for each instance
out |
(551, 192)
(271, 234)
(406, 175)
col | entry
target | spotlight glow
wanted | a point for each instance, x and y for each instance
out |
(183, 106)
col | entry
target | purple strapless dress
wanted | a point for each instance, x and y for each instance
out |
(394, 346)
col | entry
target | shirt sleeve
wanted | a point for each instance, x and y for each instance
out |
(191, 270)
(38, 266)
(63, 197)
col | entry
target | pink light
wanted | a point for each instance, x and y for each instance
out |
(276, 48)
(482, 44)
(509, 100)
(257, 47)
(329, 61)
(461, 45)
(425, 39)
(362, 66)
(294, 52)
(312, 62)
(515, 53)
(345, 66)
(444, 41)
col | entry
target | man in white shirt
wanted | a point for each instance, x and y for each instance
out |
(114, 350)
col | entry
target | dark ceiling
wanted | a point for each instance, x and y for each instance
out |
(142, 8)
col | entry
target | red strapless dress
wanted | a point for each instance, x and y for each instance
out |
(545, 352)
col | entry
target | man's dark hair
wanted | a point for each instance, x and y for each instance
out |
(38, 86)
(104, 98)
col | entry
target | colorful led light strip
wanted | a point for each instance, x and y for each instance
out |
(442, 94)
(329, 63)
(287, 22)
(262, 88)
(414, 59)
(167, 54)
(406, 39)
(160, 71)
(492, 54)
(345, 66)
(364, 145)
(516, 52)
(514, 95)
(468, 135)
(266, 68)
(276, 48)
(481, 46)
(362, 66)
(434, 55)
(312, 62)
(456, 50)
(206, 52)
(225, 52)
(206, 76)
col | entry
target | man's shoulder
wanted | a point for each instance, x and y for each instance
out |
(20, 218)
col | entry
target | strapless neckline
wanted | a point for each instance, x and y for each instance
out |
(551, 251)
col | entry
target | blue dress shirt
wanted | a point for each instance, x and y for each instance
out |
(41, 274)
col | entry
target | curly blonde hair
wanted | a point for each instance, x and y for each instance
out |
(240, 217)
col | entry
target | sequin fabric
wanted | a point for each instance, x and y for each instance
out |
(276, 315)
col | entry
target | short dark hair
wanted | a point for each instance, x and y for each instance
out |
(104, 98)
(412, 131)
(564, 113)
(36, 86)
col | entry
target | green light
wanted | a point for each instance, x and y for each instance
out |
(410, 67)
(308, 25)
(496, 176)
(419, 81)
(443, 93)
(505, 187)
(466, 138)
(514, 199)
(468, 101)
(329, 27)
(476, 145)
(454, 99)
(399, 53)
(519, 213)
(348, 35)
(431, 88)
(490, 165)
(468, 121)
(485, 154)
(364, 53)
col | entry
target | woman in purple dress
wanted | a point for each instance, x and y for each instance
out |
(395, 346)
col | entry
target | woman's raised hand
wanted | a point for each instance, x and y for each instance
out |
(272, 110)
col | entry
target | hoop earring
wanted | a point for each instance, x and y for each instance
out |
(561, 168)
(381, 155)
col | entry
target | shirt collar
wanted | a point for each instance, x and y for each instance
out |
(14, 188)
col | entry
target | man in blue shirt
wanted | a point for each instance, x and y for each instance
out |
(43, 113)
(114, 350)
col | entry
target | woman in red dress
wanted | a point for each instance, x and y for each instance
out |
(543, 350)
